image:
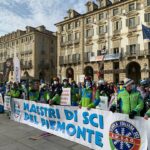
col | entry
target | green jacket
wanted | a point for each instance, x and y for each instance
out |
(34, 95)
(14, 93)
(74, 94)
(129, 102)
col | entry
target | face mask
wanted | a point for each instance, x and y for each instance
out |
(87, 84)
(55, 82)
(65, 83)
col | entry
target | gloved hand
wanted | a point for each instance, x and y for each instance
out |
(132, 114)
(113, 108)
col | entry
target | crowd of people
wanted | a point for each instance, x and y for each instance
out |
(125, 97)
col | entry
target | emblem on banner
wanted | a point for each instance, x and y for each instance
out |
(17, 111)
(124, 136)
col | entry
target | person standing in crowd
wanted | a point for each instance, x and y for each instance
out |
(14, 92)
(129, 101)
(55, 92)
(66, 83)
(74, 94)
(86, 95)
(34, 93)
(44, 94)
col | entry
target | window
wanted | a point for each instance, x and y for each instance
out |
(77, 24)
(21, 40)
(116, 50)
(101, 16)
(147, 17)
(88, 20)
(102, 29)
(131, 7)
(69, 37)
(77, 36)
(69, 26)
(63, 39)
(132, 22)
(148, 2)
(89, 32)
(132, 49)
(115, 11)
(117, 25)
(63, 28)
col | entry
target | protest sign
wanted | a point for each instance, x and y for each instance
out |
(96, 129)
(7, 103)
(66, 96)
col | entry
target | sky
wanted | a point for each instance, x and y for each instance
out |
(17, 14)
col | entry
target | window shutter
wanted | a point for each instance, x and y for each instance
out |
(85, 33)
(127, 48)
(119, 11)
(137, 20)
(120, 25)
(146, 17)
(97, 30)
(114, 26)
(92, 54)
(137, 47)
(127, 22)
(97, 17)
(138, 6)
(105, 29)
(92, 32)
(146, 46)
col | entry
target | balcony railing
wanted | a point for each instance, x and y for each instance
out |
(112, 56)
(137, 53)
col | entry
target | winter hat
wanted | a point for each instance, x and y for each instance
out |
(128, 81)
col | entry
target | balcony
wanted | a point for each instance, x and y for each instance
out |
(113, 56)
(138, 53)
(77, 41)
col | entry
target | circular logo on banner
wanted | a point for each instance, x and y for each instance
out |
(17, 111)
(124, 136)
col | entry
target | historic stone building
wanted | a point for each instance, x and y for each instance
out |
(36, 50)
(106, 41)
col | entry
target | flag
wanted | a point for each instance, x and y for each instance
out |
(16, 62)
(146, 32)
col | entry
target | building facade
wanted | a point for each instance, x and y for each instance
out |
(106, 41)
(36, 50)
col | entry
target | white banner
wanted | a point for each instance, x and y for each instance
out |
(17, 72)
(95, 129)
(66, 97)
(103, 105)
(7, 103)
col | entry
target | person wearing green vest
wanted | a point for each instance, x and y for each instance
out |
(55, 92)
(34, 93)
(86, 95)
(74, 94)
(44, 94)
(129, 101)
(66, 83)
(14, 92)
